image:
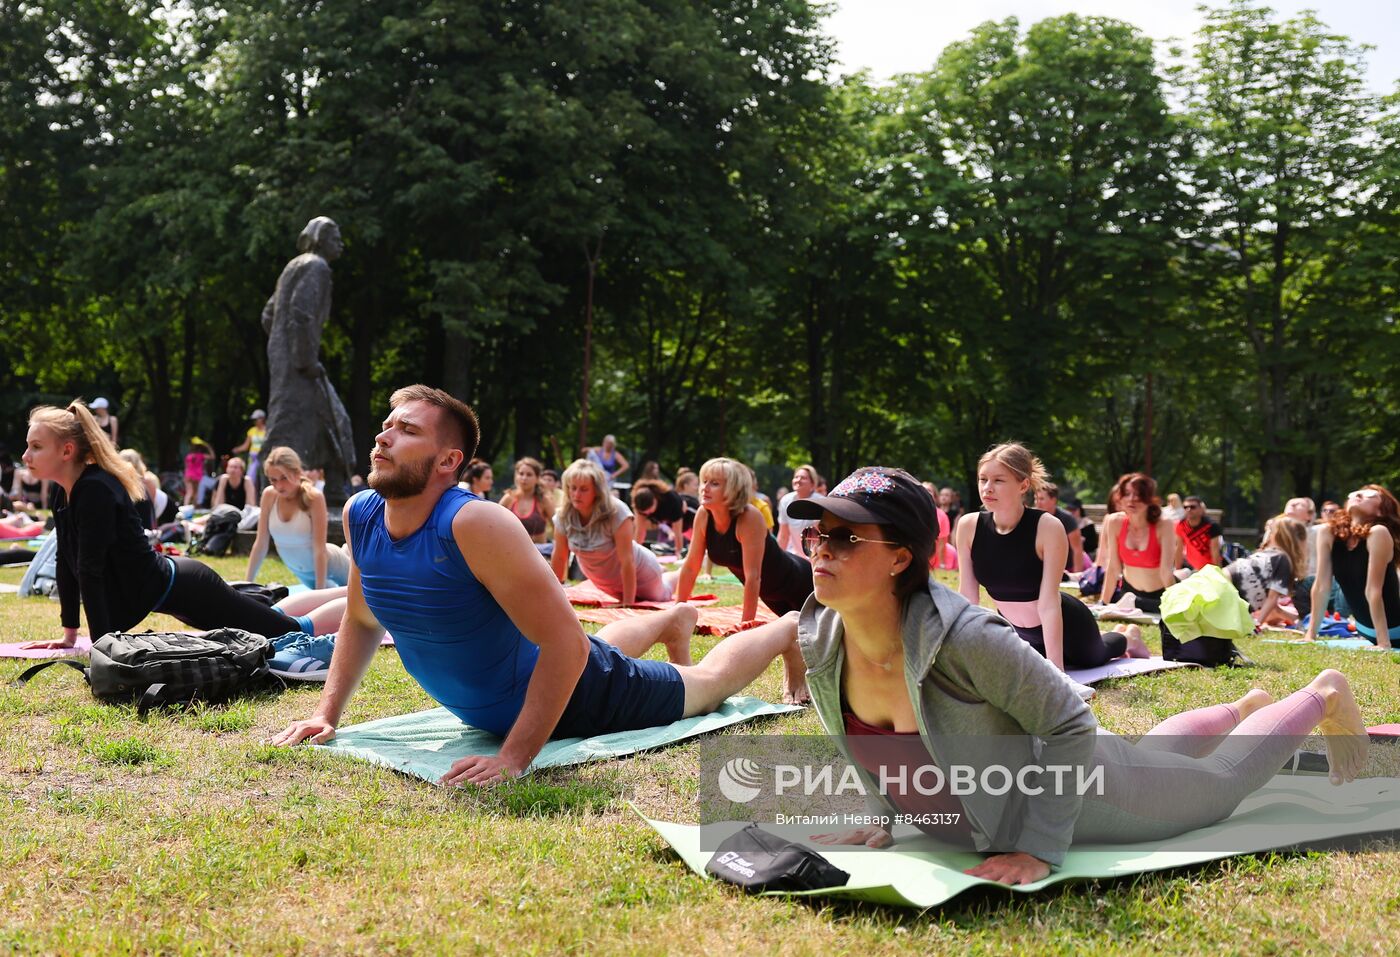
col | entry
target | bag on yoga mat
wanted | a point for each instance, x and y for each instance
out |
(759, 861)
(161, 668)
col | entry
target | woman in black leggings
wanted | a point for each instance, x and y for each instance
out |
(1018, 554)
(105, 562)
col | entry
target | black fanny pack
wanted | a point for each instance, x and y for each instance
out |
(759, 861)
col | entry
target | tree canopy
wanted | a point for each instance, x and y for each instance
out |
(676, 224)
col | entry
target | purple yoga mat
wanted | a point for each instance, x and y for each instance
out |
(14, 650)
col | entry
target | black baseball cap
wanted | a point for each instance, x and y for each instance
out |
(877, 495)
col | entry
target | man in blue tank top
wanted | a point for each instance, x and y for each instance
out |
(482, 624)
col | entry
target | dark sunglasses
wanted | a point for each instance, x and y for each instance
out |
(841, 541)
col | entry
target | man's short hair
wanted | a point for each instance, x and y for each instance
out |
(462, 431)
(1051, 489)
(1194, 498)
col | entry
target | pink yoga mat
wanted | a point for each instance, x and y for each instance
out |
(713, 621)
(591, 596)
(1384, 730)
(14, 650)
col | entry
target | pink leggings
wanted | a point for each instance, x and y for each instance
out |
(1192, 770)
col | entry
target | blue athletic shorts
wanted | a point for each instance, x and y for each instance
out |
(618, 693)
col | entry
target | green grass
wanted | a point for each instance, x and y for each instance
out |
(186, 833)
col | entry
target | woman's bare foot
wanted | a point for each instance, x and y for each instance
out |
(795, 677)
(1137, 648)
(679, 630)
(1253, 700)
(1342, 726)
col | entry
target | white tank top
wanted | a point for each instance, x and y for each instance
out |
(293, 540)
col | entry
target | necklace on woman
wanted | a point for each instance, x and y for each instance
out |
(887, 664)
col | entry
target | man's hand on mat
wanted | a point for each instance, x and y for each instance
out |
(1018, 868)
(315, 730)
(869, 836)
(481, 769)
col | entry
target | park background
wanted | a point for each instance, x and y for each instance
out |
(1179, 256)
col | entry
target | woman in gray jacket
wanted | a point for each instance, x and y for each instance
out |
(891, 653)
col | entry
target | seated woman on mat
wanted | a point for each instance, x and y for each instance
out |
(731, 532)
(1138, 552)
(877, 628)
(235, 487)
(294, 515)
(1268, 574)
(596, 526)
(105, 563)
(157, 508)
(1018, 554)
(532, 503)
(1360, 546)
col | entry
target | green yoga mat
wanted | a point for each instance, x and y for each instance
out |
(918, 872)
(425, 743)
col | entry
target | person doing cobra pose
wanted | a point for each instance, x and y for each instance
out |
(732, 533)
(1360, 546)
(904, 671)
(107, 568)
(1018, 555)
(294, 515)
(597, 527)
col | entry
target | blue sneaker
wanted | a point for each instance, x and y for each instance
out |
(301, 657)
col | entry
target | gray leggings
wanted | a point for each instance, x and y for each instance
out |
(1191, 770)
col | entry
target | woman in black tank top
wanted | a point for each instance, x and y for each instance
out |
(1359, 546)
(1018, 554)
(733, 534)
(235, 487)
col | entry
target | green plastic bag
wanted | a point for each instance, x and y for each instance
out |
(1206, 604)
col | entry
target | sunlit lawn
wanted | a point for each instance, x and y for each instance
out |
(186, 833)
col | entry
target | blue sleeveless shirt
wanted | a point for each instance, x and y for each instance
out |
(453, 637)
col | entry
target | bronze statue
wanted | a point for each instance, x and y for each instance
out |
(304, 410)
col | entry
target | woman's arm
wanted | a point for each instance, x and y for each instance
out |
(678, 536)
(1269, 606)
(1108, 552)
(559, 560)
(686, 583)
(320, 519)
(1166, 534)
(752, 534)
(622, 465)
(1380, 547)
(1053, 546)
(217, 498)
(622, 541)
(259, 549)
(967, 578)
(1322, 584)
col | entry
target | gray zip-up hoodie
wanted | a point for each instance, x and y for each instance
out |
(969, 677)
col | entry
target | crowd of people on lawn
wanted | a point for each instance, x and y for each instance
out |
(470, 590)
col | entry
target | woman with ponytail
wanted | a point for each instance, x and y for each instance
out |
(105, 564)
(294, 514)
(1018, 554)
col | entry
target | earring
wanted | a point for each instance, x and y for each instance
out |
(892, 574)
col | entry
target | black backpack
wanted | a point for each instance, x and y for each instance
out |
(219, 532)
(159, 668)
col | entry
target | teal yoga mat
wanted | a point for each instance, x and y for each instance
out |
(918, 872)
(425, 743)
